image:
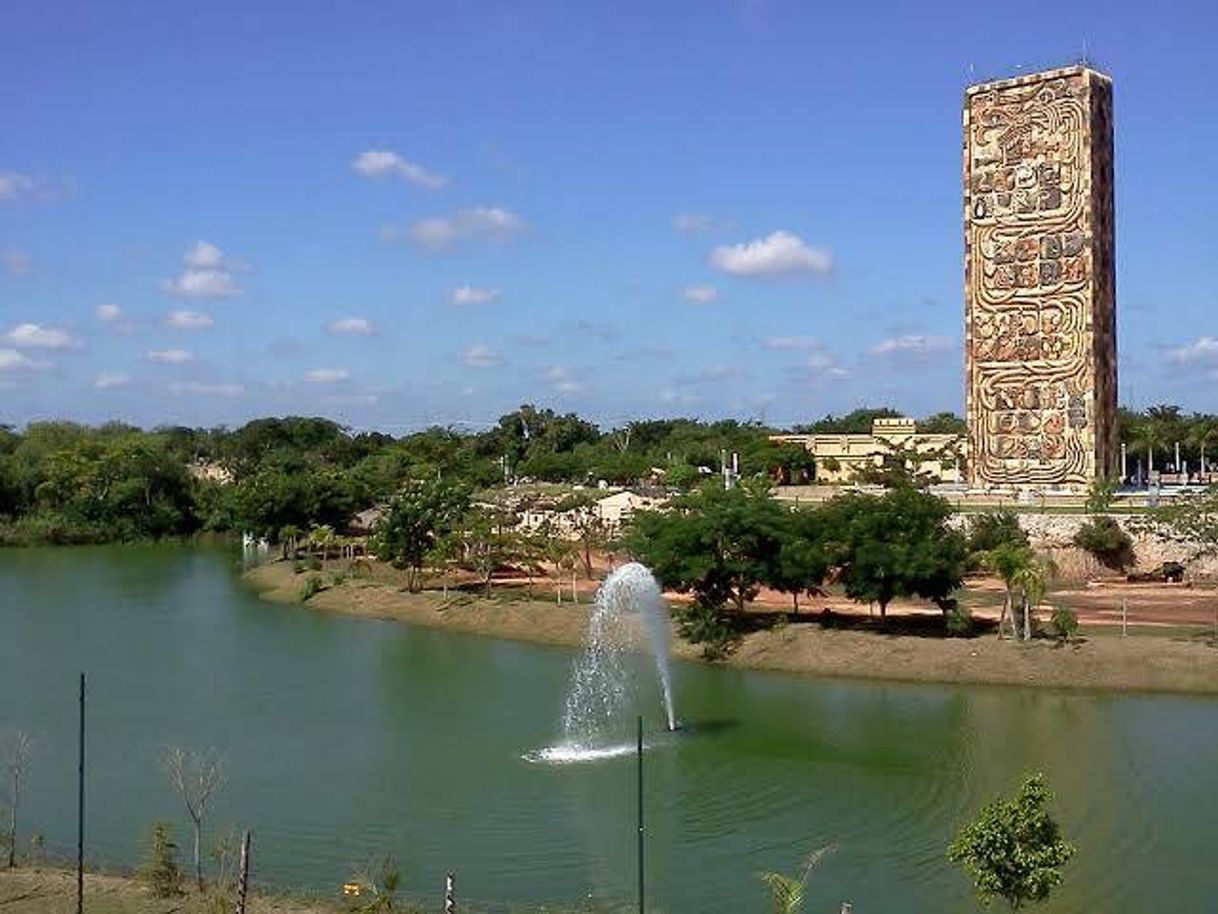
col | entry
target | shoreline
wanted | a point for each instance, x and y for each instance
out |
(1102, 661)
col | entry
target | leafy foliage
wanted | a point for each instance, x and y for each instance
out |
(991, 529)
(1064, 622)
(895, 545)
(161, 871)
(720, 545)
(422, 513)
(1014, 849)
(1103, 538)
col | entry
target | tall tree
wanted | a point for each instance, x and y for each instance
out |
(422, 513)
(895, 545)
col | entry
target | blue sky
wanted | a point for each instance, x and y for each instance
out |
(397, 214)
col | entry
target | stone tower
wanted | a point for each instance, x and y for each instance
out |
(1039, 279)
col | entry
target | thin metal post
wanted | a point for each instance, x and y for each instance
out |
(243, 878)
(450, 894)
(80, 806)
(640, 771)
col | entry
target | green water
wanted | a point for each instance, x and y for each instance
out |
(349, 737)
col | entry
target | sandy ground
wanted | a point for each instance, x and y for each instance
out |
(908, 647)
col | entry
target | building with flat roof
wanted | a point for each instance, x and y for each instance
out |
(840, 458)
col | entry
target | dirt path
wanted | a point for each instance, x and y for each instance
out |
(907, 647)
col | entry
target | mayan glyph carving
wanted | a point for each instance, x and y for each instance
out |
(1040, 336)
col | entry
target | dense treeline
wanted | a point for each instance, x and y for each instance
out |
(66, 483)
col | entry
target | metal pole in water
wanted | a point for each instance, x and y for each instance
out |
(80, 807)
(450, 894)
(640, 772)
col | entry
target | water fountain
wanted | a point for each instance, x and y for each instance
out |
(594, 720)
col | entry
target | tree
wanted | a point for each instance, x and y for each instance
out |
(488, 541)
(802, 558)
(422, 512)
(895, 545)
(196, 776)
(787, 892)
(720, 545)
(15, 752)
(1008, 560)
(161, 871)
(590, 531)
(1014, 849)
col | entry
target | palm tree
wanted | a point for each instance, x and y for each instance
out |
(1150, 435)
(1202, 430)
(1022, 571)
(787, 892)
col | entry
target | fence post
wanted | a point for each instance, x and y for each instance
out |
(1124, 617)
(450, 894)
(243, 878)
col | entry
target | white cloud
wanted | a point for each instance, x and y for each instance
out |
(15, 262)
(780, 253)
(326, 375)
(36, 336)
(14, 185)
(169, 356)
(204, 256)
(109, 381)
(12, 360)
(202, 388)
(355, 325)
(913, 344)
(351, 399)
(562, 380)
(1203, 351)
(693, 222)
(469, 295)
(480, 221)
(208, 274)
(188, 320)
(108, 314)
(380, 163)
(479, 356)
(791, 344)
(700, 295)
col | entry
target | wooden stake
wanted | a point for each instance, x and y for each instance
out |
(243, 878)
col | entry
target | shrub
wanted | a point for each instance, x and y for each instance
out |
(1064, 623)
(161, 871)
(959, 622)
(314, 563)
(298, 567)
(312, 587)
(992, 529)
(709, 626)
(338, 578)
(1103, 538)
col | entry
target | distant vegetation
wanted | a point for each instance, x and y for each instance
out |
(61, 482)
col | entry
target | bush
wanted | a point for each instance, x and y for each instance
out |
(298, 567)
(161, 871)
(314, 563)
(709, 626)
(959, 622)
(338, 578)
(992, 529)
(312, 587)
(1064, 623)
(1103, 538)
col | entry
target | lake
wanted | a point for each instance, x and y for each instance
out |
(347, 738)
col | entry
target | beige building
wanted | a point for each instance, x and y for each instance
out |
(839, 458)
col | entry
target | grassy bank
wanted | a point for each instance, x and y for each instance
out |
(50, 890)
(908, 648)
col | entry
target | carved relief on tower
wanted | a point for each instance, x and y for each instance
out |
(1028, 232)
